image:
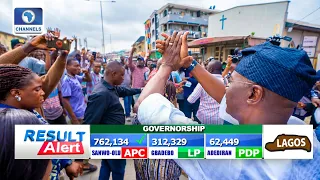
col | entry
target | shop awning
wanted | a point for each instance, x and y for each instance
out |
(210, 41)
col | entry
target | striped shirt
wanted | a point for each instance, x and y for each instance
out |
(208, 112)
(95, 80)
(153, 169)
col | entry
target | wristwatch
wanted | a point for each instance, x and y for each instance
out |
(192, 66)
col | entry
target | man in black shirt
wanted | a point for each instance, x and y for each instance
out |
(104, 107)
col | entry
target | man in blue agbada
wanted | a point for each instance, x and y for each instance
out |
(264, 89)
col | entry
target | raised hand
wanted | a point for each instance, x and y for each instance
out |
(56, 32)
(76, 41)
(85, 71)
(40, 42)
(183, 60)
(75, 38)
(172, 51)
(133, 50)
(49, 30)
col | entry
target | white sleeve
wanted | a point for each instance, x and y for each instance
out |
(162, 112)
(156, 110)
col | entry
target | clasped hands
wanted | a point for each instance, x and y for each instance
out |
(174, 50)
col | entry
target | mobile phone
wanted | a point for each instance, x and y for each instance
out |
(94, 55)
(59, 44)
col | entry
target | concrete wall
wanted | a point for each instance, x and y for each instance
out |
(241, 21)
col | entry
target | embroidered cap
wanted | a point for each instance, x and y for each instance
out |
(285, 71)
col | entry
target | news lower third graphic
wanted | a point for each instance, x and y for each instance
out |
(288, 142)
(28, 20)
(54, 141)
(164, 142)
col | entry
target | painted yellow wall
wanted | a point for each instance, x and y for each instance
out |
(5, 39)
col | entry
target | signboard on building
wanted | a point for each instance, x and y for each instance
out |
(310, 51)
(310, 41)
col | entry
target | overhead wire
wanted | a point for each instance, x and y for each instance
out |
(307, 15)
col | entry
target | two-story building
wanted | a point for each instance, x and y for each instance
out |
(140, 46)
(175, 17)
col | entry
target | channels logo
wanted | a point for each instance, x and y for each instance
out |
(28, 20)
(288, 141)
(52, 141)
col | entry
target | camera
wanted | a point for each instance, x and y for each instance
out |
(276, 39)
(237, 56)
(236, 59)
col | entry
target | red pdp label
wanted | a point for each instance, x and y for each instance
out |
(134, 153)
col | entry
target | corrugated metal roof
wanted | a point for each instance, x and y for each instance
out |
(210, 40)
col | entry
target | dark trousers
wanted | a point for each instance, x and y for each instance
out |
(313, 121)
(60, 120)
(132, 102)
(181, 104)
(114, 166)
(127, 105)
(191, 108)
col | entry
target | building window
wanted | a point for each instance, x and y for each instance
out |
(198, 13)
(153, 45)
(165, 13)
(152, 20)
(152, 33)
(191, 13)
(165, 28)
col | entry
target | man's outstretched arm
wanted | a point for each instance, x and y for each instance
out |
(170, 57)
(17, 55)
(212, 85)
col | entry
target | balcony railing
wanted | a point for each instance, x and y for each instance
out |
(192, 34)
(186, 19)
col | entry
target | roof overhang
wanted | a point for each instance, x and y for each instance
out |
(192, 8)
(303, 26)
(216, 41)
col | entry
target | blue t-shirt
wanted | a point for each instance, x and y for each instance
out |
(37, 66)
(71, 88)
(175, 75)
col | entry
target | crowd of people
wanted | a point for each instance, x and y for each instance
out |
(41, 85)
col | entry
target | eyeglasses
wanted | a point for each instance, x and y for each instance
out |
(227, 81)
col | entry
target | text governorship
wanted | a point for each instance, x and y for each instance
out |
(174, 128)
